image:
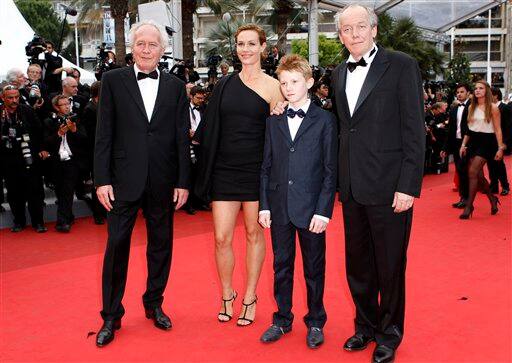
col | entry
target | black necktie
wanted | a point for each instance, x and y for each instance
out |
(292, 113)
(152, 75)
(353, 65)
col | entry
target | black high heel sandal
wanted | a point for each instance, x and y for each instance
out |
(494, 204)
(225, 313)
(467, 213)
(243, 318)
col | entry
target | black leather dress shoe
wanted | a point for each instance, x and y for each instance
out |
(505, 192)
(17, 228)
(383, 354)
(274, 333)
(63, 228)
(159, 318)
(315, 337)
(107, 331)
(460, 204)
(357, 341)
(40, 228)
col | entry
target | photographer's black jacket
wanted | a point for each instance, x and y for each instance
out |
(29, 124)
(77, 141)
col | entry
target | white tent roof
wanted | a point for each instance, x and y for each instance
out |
(434, 15)
(15, 33)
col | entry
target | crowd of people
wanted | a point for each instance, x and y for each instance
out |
(365, 125)
(44, 119)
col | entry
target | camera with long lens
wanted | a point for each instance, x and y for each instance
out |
(33, 97)
(178, 69)
(35, 50)
(24, 141)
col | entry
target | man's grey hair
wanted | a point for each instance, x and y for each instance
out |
(372, 16)
(164, 38)
(66, 81)
(12, 74)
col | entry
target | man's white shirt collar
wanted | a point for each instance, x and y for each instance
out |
(366, 56)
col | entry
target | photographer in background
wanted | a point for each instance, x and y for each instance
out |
(224, 69)
(20, 154)
(37, 89)
(70, 90)
(66, 140)
(437, 122)
(83, 89)
(320, 95)
(53, 68)
(106, 62)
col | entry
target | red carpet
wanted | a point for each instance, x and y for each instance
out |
(458, 294)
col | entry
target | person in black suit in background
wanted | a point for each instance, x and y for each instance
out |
(66, 141)
(89, 119)
(457, 128)
(378, 98)
(297, 191)
(497, 168)
(141, 160)
(196, 110)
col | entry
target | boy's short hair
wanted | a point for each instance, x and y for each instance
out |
(297, 63)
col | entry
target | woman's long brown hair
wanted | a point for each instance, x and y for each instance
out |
(488, 103)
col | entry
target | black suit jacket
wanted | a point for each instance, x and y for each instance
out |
(298, 178)
(130, 152)
(208, 136)
(77, 141)
(450, 144)
(382, 144)
(506, 123)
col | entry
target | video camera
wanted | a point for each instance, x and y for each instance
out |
(213, 62)
(269, 65)
(34, 49)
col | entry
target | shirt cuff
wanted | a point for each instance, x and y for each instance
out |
(265, 211)
(322, 218)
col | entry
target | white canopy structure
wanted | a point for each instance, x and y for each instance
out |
(434, 15)
(15, 33)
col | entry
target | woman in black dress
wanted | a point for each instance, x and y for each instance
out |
(483, 143)
(232, 140)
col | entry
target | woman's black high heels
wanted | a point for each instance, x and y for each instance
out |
(468, 213)
(494, 204)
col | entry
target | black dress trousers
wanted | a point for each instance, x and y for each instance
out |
(376, 242)
(158, 213)
(312, 247)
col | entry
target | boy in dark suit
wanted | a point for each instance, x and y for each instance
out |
(298, 184)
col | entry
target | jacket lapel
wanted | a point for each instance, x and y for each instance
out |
(377, 69)
(282, 124)
(133, 88)
(341, 99)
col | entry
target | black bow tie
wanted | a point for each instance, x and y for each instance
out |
(353, 65)
(292, 113)
(461, 105)
(152, 75)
